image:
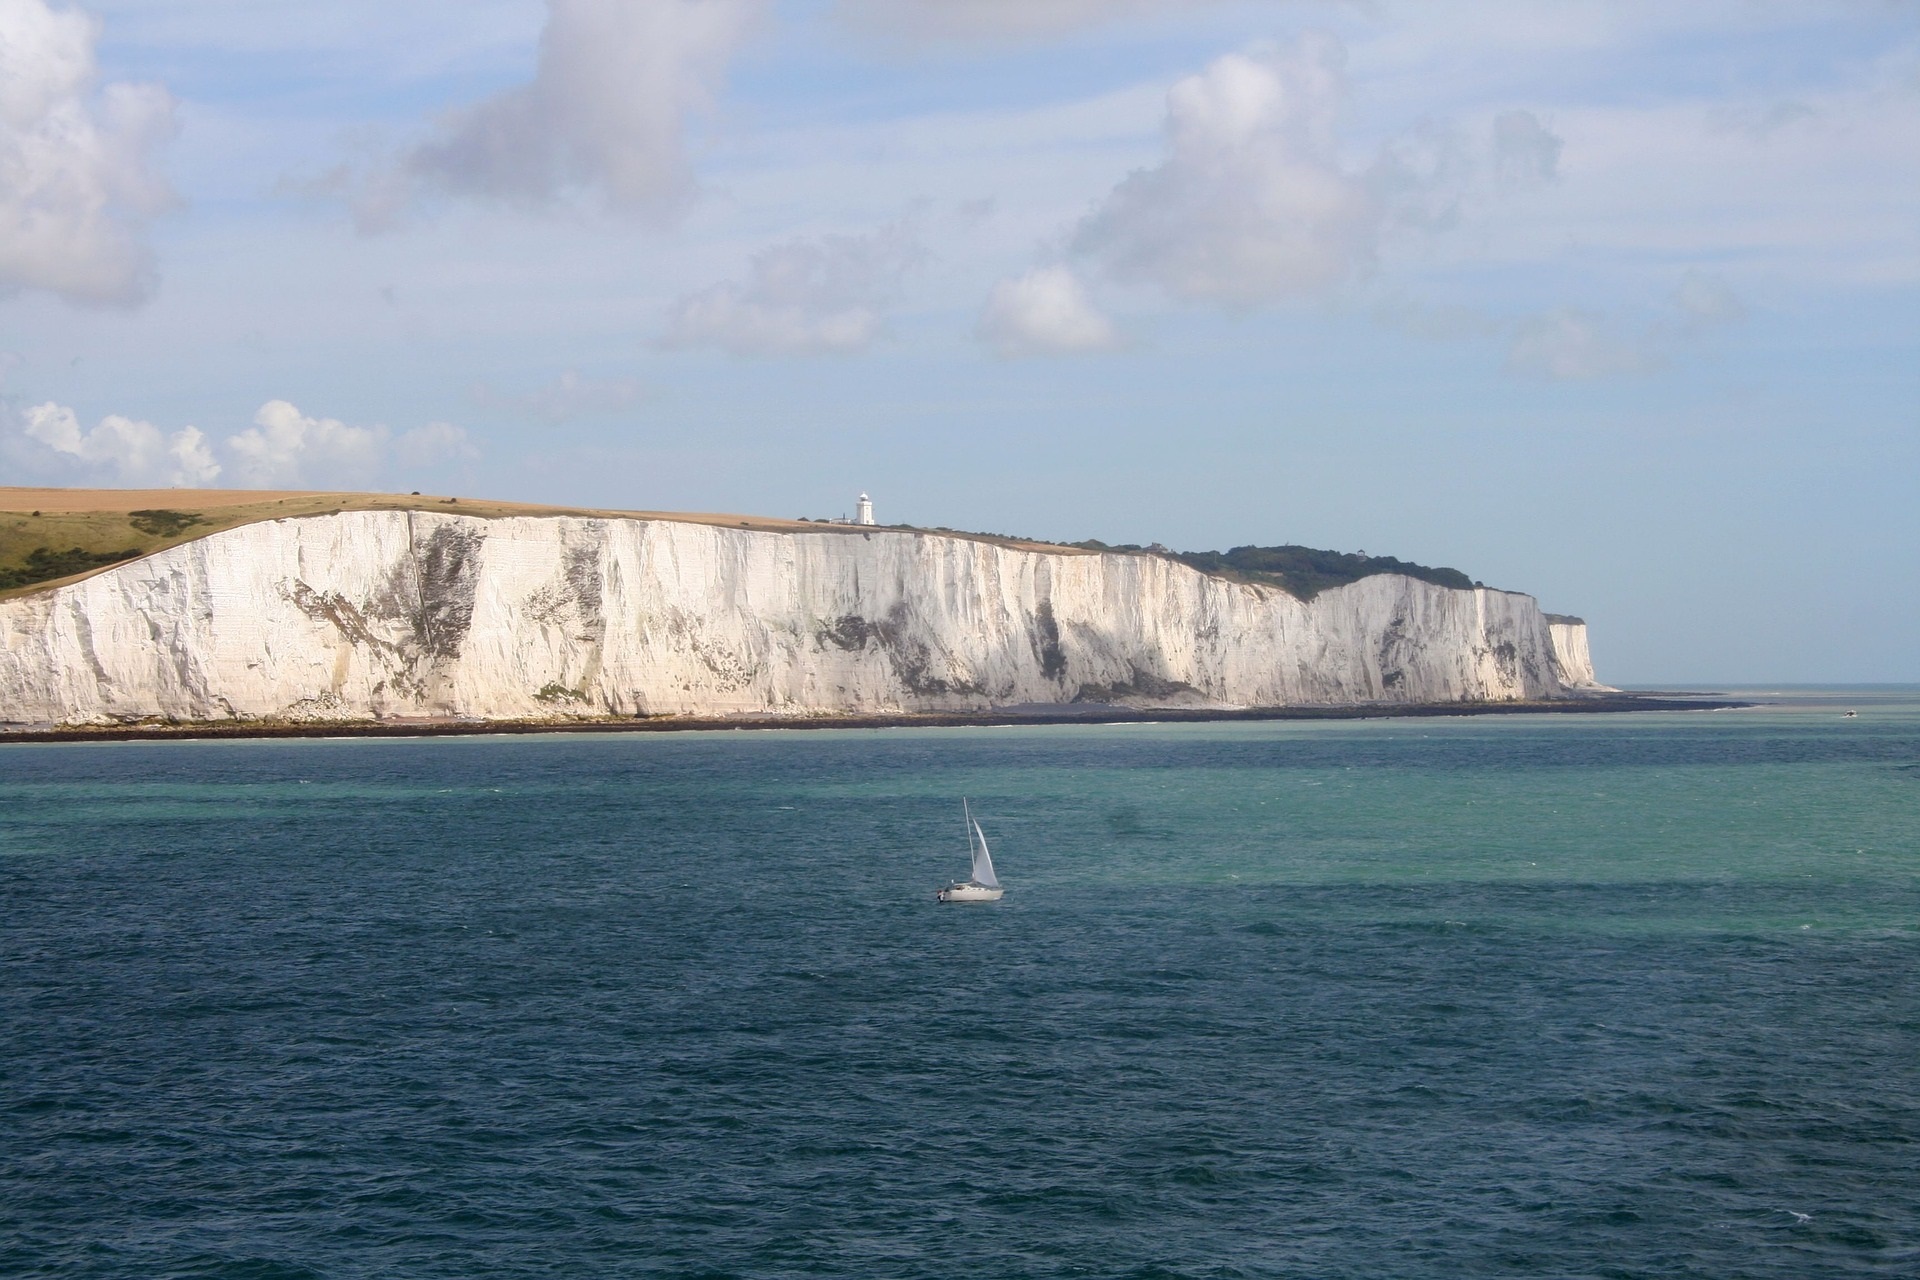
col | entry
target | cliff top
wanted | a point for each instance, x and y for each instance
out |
(49, 537)
(1304, 572)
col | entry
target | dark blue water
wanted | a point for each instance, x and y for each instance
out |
(1595, 996)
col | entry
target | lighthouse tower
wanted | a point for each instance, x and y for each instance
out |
(863, 514)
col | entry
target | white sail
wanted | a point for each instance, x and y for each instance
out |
(982, 860)
(984, 886)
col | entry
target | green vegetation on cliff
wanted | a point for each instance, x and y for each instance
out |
(1306, 572)
(51, 535)
(162, 522)
(55, 535)
(43, 564)
(1303, 572)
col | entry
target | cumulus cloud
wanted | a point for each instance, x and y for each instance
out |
(566, 398)
(76, 186)
(809, 296)
(125, 450)
(1251, 203)
(1045, 312)
(1254, 202)
(604, 114)
(285, 448)
(1525, 152)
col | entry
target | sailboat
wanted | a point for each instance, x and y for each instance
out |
(983, 885)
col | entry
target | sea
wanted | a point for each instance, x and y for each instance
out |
(1625, 995)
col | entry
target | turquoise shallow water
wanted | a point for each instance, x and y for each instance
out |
(1628, 995)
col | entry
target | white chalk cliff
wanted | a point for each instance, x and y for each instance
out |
(1570, 654)
(386, 614)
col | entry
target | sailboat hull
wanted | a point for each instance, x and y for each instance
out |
(969, 893)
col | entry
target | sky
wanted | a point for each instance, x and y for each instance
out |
(1614, 303)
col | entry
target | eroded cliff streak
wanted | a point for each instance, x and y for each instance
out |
(380, 614)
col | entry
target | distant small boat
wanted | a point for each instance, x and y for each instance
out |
(1850, 715)
(983, 886)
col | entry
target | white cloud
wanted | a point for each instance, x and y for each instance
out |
(76, 188)
(817, 296)
(1569, 344)
(285, 448)
(565, 399)
(604, 114)
(1525, 152)
(1251, 203)
(192, 457)
(127, 450)
(1045, 312)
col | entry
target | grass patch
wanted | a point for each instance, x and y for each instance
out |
(101, 527)
(162, 523)
(106, 523)
(1307, 571)
(44, 564)
(1303, 572)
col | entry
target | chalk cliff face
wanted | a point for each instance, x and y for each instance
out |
(383, 614)
(1570, 656)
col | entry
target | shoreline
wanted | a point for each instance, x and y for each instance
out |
(1067, 714)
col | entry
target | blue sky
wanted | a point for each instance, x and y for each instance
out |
(1612, 303)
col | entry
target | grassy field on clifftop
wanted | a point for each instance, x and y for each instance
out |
(49, 537)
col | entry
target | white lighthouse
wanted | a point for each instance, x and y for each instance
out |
(863, 513)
